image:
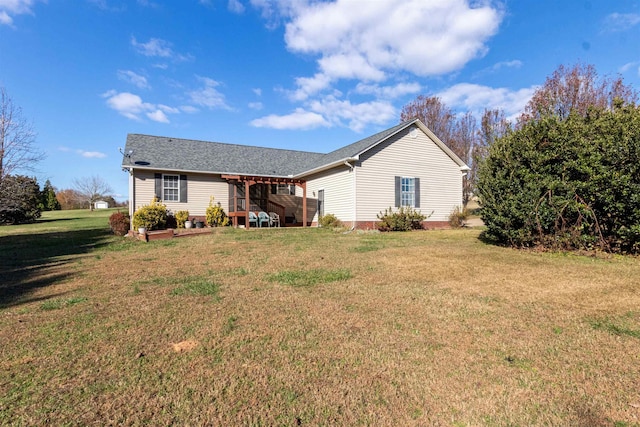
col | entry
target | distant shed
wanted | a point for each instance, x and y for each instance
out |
(101, 204)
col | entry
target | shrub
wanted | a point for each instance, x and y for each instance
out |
(171, 221)
(119, 223)
(19, 197)
(566, 184)
(458, 216)
(215, 215)
(181, 218)
(329, 221)
(404, 219)
(152, 216)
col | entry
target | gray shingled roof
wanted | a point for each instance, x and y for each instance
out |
(175, 154)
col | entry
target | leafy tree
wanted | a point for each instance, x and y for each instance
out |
(69, 199)
(92, 189)
(17, 139)
(566, 182)
(19, 199)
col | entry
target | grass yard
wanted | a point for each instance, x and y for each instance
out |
(310, 327)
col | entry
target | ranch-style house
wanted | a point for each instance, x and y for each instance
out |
(406, 165)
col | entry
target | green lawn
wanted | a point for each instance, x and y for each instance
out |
(310, 327)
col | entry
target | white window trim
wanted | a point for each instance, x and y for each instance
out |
(411, 193)
(165, 188)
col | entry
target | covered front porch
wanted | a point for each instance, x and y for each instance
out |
(251, 194)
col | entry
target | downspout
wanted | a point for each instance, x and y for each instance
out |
(355, 205)
(132, 197)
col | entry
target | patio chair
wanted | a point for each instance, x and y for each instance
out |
(275, 219)
(253, 219)
(262, 218)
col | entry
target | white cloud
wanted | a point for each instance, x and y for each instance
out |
(208, 95)
(255, 105)
(257, 91)
(158, 116)
(9, 8)
(424, 38)
(330, 111)
(91, 154)
(357, 116)
(388, 92)
(133, 78)
(309, 86)
(189, 109)
(629, 66)
(299, 119)
(380, 44)
(154, 47)
(84, 153)
(475, 98)
(499, 66)
(235, 6)
(132, 107)
(621, 21)
(158, 48)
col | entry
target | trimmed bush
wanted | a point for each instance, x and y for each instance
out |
(119, 223)
(329, 221)
(181, 218)
(152, 216)
(404, 219)
(215, 215)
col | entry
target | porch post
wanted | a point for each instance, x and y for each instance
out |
(304, 204)
(247, 205)
(234, 197)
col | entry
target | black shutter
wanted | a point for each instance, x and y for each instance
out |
(398, 190)
(416, 187)
(183, 188)
(158, 178)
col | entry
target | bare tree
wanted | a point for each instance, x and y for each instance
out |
(575, 89)
(17, 139)
(463, 142)
(92, 189)
(433, 113)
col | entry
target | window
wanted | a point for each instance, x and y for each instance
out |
(171, 188)
(283, 189)
(408, 192)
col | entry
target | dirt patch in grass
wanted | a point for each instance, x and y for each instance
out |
(308, 327)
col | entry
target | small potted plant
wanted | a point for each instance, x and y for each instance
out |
(182, 218)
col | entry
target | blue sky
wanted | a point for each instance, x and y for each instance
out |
(295, 74)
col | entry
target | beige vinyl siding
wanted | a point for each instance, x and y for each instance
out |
(403, 155)
(199, 188)
(338, 187)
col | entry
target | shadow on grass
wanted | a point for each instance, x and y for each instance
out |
(34, 261)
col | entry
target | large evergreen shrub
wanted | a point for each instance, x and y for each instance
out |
(569, 183)
(19, 199)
